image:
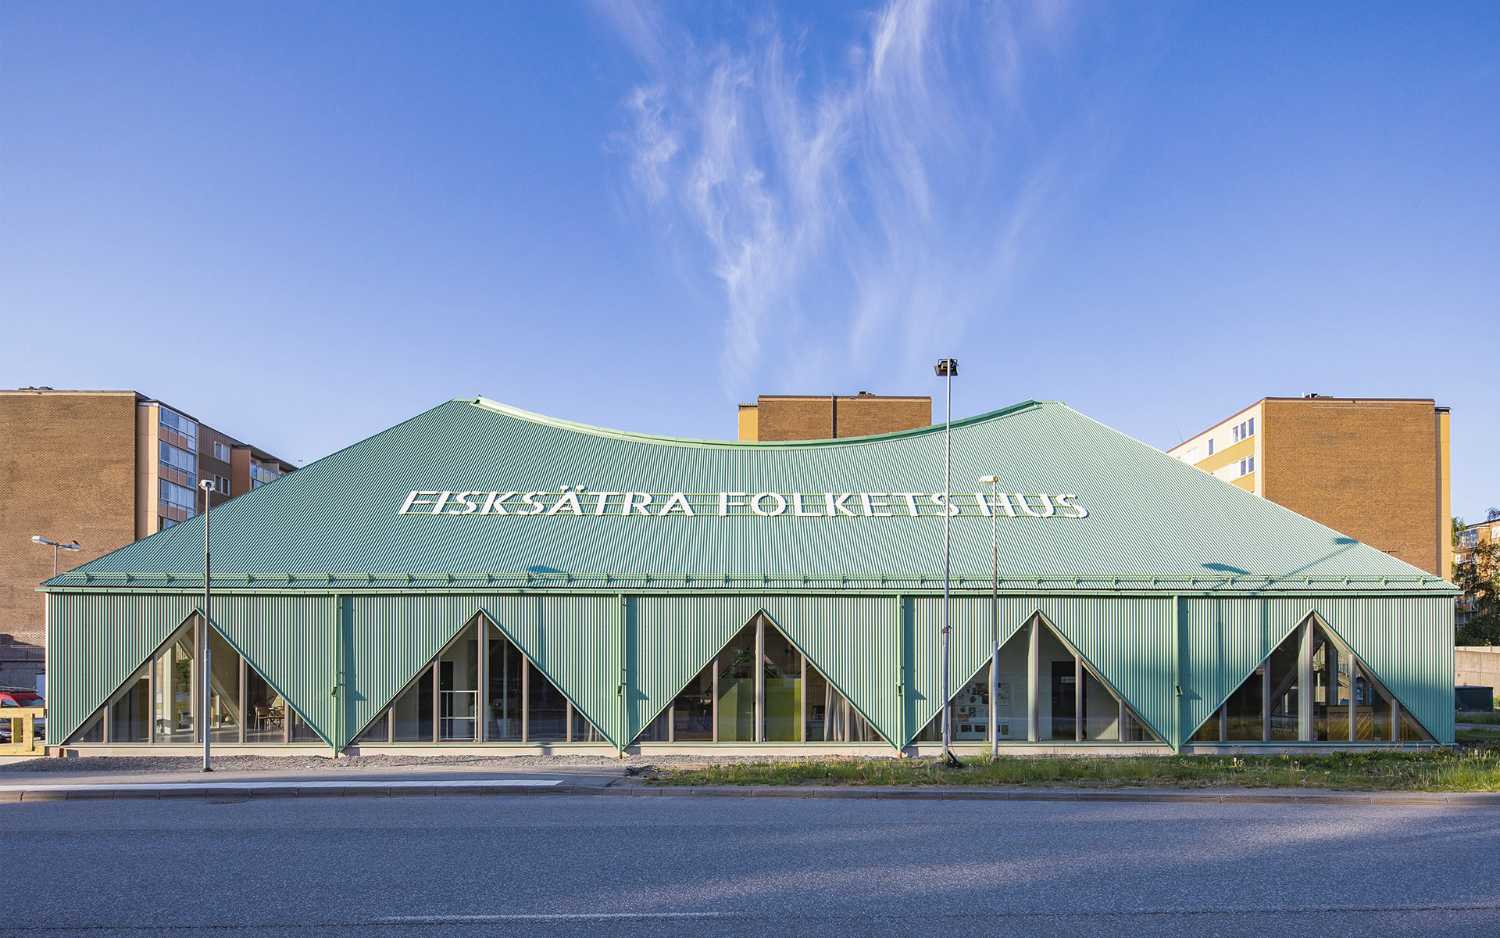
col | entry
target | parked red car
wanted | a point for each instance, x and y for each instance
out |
(19, 698)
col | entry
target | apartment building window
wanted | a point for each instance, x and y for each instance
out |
(1247, 465)
(178, 458)
(221, 451)
(221, 485)
(260, 474)
(1210, 446)
(1244, 430)
(177, 424)
(178, 496)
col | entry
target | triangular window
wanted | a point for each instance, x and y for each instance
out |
(796, 701)
(1313, 670)
(1073, 703)
(480, 688)
(159, 703)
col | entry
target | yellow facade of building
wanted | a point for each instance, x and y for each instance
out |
(1374, 469)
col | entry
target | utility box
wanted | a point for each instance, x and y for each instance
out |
(1471, 697)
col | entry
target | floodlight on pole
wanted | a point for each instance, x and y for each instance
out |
(56, 546)
(947, 368)
(993, 481)
(207, 485)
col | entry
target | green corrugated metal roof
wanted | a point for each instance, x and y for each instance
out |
(1153, 523)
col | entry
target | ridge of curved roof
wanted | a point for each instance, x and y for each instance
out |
(661, 440)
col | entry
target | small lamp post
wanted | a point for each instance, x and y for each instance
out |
(994, 483)
(207, 485)
(947, 368)
(56, 546)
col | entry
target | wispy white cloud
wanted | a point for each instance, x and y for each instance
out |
(850, 204)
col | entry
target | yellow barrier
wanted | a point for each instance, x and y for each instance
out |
(23, 741)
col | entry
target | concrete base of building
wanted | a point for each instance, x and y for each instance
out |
(1041, 748)
(1103, 750)
(1302, 749)
(141, 750)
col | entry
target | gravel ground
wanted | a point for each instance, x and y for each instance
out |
(153, 764)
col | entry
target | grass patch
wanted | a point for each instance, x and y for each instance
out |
(1475, 768)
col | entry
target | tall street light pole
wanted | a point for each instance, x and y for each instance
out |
(994, 483)
(207, 486)
(946, 368)
(56, 546)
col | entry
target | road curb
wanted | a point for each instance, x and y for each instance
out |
(635, 789)
(1477, 799)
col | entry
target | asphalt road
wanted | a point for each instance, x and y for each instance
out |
(603, 866)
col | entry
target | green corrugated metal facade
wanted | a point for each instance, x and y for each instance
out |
(1173, 588)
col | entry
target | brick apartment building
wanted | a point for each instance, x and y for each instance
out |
(102, 468)
(1376, 469)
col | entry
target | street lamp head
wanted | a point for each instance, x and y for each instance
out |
(989, 480)
(206, 485)
(946, 368)
(71, 546)
(45, 541)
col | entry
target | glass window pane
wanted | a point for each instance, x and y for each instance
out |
(92, 732)
(1284, 690)
(1411, 730)
(1101, 711)
(970, 720)
(1057, 674)
(693, 710)
(1208, 732)
(655, 732)
(130, 714)
(458, 689)
(1011, 692)
(547, 710)
(265, 711)
(737, 688)
(301, 732)
(1244, 709)
(1135, 730)
(1332, 690)
(378, 732)
(586, 732)
(174, 690)
(414, 710)
(783, 664)
(830, 717)
(224, 690)
(1372, 719)
(504, 692)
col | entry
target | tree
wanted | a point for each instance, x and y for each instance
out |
(1478, 575)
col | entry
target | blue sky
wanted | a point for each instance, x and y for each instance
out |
(304, 222)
